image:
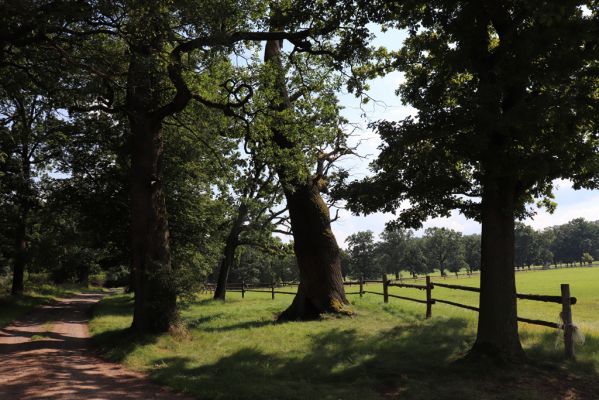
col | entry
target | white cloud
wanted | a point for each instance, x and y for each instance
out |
(571, 204)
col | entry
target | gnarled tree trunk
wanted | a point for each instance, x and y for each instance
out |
(316, 250)
(318, 256)
(497, 335)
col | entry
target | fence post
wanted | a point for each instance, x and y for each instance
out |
(361, 285)
(385, 288)
(429, 297)
(273, 289)
(242, 289)
(567, 320)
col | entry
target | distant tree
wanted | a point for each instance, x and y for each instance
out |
(414, 259)
(391, 249)
(259, 265)
(84, 197)
(472, 252)
(587, 258)
(545, 239)
(574, 238)
(526, 245)
(361, 250)
(345, 264)
(284, 264)
(444, 249)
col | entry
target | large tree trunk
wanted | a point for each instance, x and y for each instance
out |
(155, 291)
(220, 291)
(318, 256)
(20, 259)
(316, 250)
(23, 195)
(497, 335)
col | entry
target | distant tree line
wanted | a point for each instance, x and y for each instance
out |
(446, 250)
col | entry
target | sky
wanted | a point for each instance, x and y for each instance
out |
(386, 105)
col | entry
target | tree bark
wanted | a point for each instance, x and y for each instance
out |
(497, 336)
(155, 294)
(155, 291)
(318, 256)
(232, 242)
(23, 195)
(20, 259)
(317, 253)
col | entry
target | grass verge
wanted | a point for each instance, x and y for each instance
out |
(235, 350)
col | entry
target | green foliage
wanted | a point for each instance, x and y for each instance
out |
(255, 265)
(361, 250)
(505, 90)
(527, 249)
(391, 250)
(472, 251)
(444, 249)
(573, 239)
(586, 258)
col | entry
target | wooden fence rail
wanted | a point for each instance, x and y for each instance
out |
(534, 297)
(564, 299)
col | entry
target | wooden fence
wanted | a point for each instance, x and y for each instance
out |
(260, 287)
(564, 299)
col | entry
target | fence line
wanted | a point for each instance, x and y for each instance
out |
(564, 299)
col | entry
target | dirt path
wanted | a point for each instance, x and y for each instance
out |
(47, 356)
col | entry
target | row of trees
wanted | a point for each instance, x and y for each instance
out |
(399, 250)
(574, 242)
(134, 123)
(164, 135)
(443, 250)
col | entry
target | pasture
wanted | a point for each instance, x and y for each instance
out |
(235, 350)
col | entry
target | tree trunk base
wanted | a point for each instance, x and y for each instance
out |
(482, 353)
(221, 296)
(304, 309)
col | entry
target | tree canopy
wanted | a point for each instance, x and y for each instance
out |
(506, 99)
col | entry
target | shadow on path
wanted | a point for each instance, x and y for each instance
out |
(47, 356)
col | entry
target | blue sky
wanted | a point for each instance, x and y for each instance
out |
(571, 203)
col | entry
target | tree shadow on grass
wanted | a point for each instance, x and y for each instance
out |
(114, 306)
(116, 345)
(412, 361)
(408, 362)
(550, 347)
(234, 327)
(339, 364)
(198, 322)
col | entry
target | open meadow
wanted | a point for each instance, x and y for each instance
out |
(235, 350)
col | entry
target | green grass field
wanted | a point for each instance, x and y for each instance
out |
(236, 350)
